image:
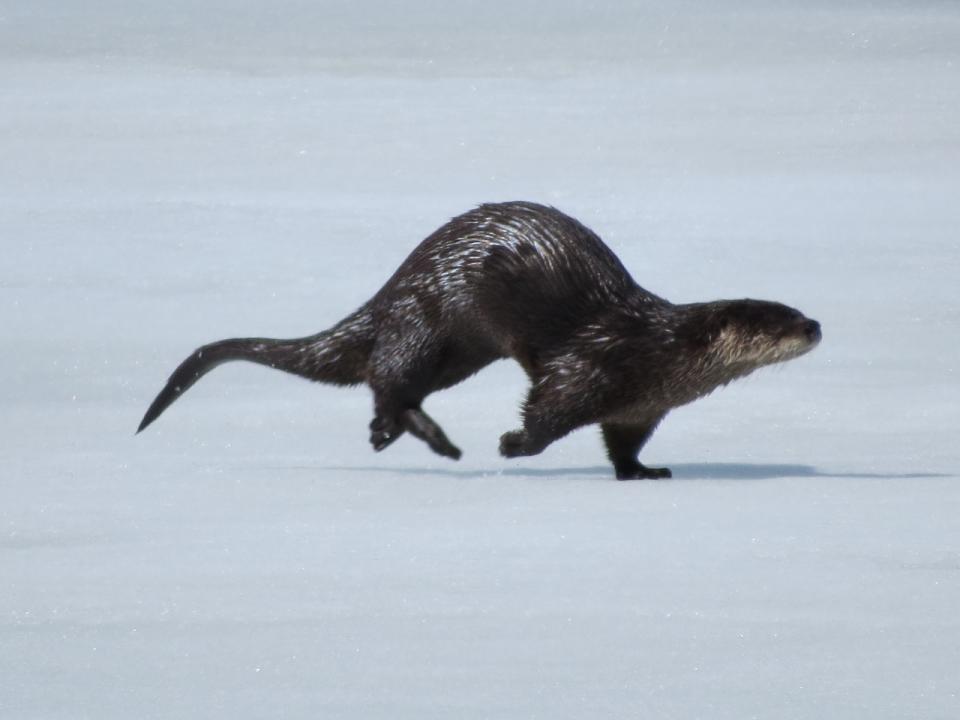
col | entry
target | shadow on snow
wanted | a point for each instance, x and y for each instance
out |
(681, 471)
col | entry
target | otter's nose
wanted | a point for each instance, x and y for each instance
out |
(812, 330)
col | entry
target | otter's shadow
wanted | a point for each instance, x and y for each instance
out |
(681, 471)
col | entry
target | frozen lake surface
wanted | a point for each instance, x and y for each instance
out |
(171, 176)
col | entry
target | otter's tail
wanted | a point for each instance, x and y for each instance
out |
(338, 356)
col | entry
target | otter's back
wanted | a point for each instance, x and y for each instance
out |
(517, 264)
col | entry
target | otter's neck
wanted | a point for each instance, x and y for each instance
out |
(706, 352)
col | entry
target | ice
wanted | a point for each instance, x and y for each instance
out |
(171, 175)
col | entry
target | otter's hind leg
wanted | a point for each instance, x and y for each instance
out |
(422, 426)
(403, 377)
(384, 429)
(398, 412)
(624, 443)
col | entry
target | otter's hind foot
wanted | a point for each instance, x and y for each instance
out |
(383, 432)
(642, 472)
(422, 426)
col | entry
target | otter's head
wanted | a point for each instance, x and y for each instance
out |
(751, 333)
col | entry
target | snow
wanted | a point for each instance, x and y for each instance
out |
(172, 175)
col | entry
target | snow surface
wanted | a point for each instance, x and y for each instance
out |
(171, 175)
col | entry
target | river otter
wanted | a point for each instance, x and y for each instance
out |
(526, 281)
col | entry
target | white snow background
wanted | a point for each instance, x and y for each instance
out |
(172, 175)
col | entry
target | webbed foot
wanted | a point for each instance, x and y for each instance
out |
(642, 472)
(421, 425)
(383, 432)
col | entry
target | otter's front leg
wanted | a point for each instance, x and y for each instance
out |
(624, 442)
(519, 443)
(551, 411)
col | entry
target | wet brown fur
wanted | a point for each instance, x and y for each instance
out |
(526, 281)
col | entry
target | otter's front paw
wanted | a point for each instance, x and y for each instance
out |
(514, 444)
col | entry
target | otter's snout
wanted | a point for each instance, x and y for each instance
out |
(811, 328)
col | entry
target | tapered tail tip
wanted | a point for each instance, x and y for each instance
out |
(143, 424)
(156, 407)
